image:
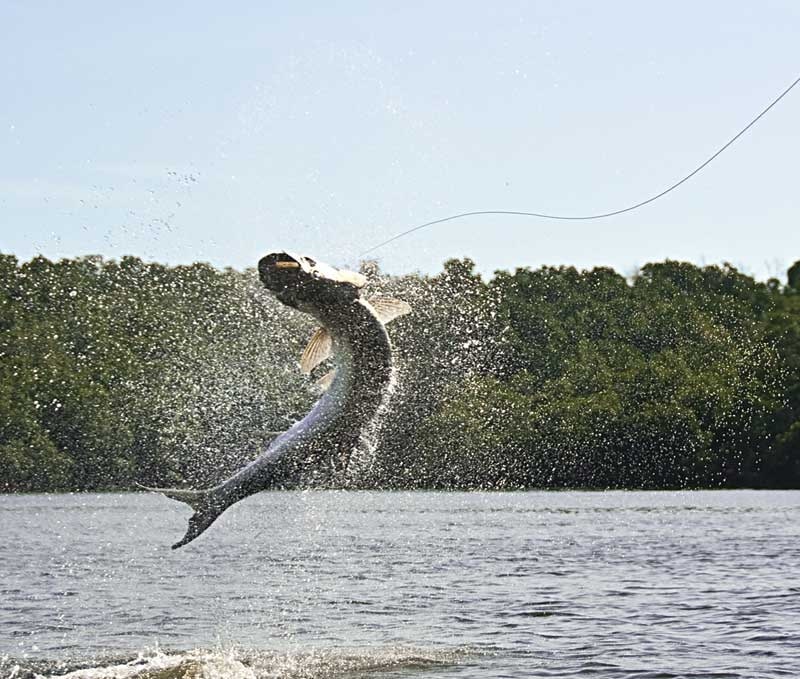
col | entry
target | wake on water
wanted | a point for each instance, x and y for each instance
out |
(240, 664)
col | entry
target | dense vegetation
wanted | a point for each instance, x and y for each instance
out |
(681, 376)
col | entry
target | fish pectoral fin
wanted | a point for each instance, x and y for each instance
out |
(316, 351)
(325, 381)
(388, 308)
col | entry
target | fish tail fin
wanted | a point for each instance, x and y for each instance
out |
(206, 509)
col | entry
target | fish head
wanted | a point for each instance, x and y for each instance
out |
(304, 283)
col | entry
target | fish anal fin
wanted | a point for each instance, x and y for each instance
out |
(316, 351)
(389, 308)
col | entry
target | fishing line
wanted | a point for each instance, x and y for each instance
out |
(597, 216)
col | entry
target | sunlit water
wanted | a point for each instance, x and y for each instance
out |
(357, 584)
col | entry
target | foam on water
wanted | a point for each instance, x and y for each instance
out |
(240, 664)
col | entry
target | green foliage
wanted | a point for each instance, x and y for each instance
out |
(113, 372)
(674, 379)
(116, 372)
(782, 463)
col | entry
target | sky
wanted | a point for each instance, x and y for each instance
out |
(216, 132)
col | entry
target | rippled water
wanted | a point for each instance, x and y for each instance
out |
(358, 584)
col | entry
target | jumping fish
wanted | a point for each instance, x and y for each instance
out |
(318, 446)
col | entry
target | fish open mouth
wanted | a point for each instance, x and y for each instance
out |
(278, 270)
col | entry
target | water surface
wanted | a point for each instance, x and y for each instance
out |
(362, 584)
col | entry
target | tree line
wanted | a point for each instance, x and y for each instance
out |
(118, 372)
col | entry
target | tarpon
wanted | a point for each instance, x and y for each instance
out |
(316, 449)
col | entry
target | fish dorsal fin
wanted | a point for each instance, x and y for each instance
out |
(325, 381)
(316, 351)
(389, 308)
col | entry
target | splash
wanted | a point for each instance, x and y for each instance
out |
(360, 470)
(249, 664)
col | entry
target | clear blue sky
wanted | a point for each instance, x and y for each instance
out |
(217, 131)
